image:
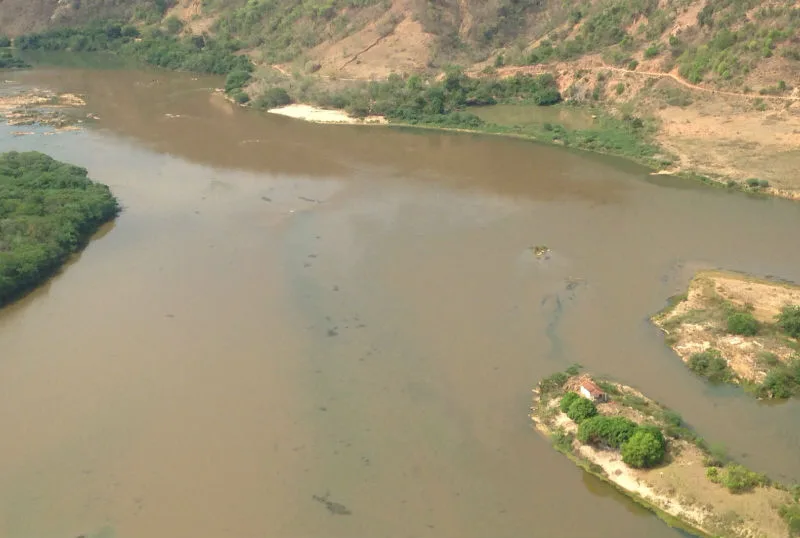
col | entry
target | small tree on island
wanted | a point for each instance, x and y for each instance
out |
(646, 448)
(581, 409)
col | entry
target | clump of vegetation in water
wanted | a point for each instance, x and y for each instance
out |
(782, 381)
(48, 210)
(711, 365)
(742, 323)
(199, 54)
(9, 61)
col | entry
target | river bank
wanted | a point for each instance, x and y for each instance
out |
(694, 488)
(609, 137)
(728, 328)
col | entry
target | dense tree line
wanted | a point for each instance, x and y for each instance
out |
(48, 210)
(156, 47)
(445, 102)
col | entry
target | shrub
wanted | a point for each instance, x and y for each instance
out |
(610, 431)
(763, 183)
(753, 182)
(620, 87)
(274, 97)
(651, 51)
(632, 65)
(789, 320)
(742, 323)
(174, 25)
(567, 400)
(553, 383)
(240, 97)
(4, 41)
(791, 515)
(644, 449)
(739, 479)
(710, 364)
(781, 382)
(562, 440)
(236, 80)
(581, 409)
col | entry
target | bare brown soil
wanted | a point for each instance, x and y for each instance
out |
(698, 323)
(680, 487)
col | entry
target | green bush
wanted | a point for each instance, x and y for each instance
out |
(273, 98)
(567, 400)
(553, 383)
(620, 87)
(4, 41)
(652, 51)
(562, 440)
(710, 364)
(581, 409)
(644, 449)
(739, 479)
(789, 320)
(742, 323)
(791, 515)
(610, 431)
(753, 182)
(9, 61)
(48, 210)
(236, 80)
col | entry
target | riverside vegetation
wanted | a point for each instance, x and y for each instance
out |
(733, 328)
(48, 211)
(703, 89)
(650, 454)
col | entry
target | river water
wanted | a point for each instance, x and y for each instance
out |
(296, 330)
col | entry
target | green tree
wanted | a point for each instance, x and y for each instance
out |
(644, 449)
(581, 409)
(742, 323)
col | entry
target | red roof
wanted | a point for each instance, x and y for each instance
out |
(593, 389)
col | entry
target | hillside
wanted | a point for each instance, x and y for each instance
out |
(716, 79)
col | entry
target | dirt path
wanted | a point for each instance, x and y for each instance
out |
(511, 71)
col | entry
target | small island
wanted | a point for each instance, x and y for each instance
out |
(48, 211)
(734, 328)
(648, 453)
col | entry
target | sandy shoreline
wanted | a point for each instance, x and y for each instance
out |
(324, 115)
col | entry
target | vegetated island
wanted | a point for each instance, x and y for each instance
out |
(48, 211)
(734, 328)
(647, 452)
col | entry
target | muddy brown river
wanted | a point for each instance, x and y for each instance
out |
(297, 330)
